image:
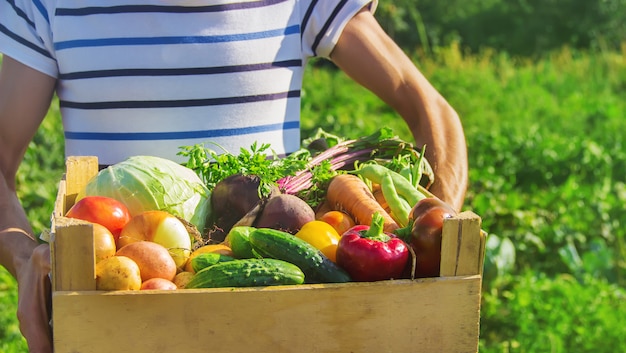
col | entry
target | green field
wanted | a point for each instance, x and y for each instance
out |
(547, 174)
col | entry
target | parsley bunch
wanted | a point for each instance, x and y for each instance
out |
(259, 160)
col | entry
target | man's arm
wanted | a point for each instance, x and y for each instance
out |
(25, 96)
(366, 54)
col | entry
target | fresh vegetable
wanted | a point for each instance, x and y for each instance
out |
(412, 168)
(367, 253)
(281, 245)
(205, 260)
(117, 273)
(377, 191)
(213, 166)
(423, 233)
(305, 172)
(221, 249)
(322, 236)
(398, 206)
(343, 154)
(349, 193)
(153, 259)
(103, 242)
(146, 183)
(339, 220)
(182, 278)
(102, 210)
(376, 173)
(160, 227)
(239, 241)
(284, 212)
(247, 273)
(158, 284)
(399, 193)
(232, 198)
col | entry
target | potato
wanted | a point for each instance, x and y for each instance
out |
(157, 283)
(117, 273)
(182, 279)
(104, 242)
(154, 259)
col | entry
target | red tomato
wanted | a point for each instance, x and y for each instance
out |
(339, 220)
(106, 211)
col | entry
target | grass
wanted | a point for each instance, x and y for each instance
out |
(11, 340)
(547, 161)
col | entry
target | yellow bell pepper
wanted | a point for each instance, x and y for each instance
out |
(322, 236)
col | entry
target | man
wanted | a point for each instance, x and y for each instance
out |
(146, 78)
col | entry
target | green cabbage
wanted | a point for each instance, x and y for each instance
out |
(146, 183)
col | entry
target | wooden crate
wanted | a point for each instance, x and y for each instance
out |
(427, 315)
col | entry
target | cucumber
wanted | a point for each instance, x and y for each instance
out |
(247, 273)
(281, 245)
(239, 241)
(208, 259)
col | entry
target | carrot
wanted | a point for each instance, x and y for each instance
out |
(377, 191)
(349, 193)
(322, 208)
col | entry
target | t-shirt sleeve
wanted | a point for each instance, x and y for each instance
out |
(25, 34)
(324, 20)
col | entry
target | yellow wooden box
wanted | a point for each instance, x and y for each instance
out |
(425, 315)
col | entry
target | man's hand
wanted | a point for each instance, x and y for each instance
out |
(34, 303)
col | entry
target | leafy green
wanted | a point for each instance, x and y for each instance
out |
(305, 172)
(145, 183)
(213, 166)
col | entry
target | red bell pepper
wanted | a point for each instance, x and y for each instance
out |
(368, 253)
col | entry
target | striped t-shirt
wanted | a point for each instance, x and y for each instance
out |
(147, 77)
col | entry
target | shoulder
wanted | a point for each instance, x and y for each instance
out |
(26, 33)
(324, 20)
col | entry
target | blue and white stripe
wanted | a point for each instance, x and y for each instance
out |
(150, 77)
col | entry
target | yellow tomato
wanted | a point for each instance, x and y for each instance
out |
(338, 220)
(322, 236)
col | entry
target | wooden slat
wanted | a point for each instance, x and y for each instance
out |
(60, 206)
(462, 246)
(73, 255)
(430, 315)
(79, 170)
(72, 242)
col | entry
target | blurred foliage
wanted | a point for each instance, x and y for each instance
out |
(11, 340)
(519, 27)
(539, 313)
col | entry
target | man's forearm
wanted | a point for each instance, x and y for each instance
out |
(370, 57)
(25, 95)
(446, 151)
(435, 124)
